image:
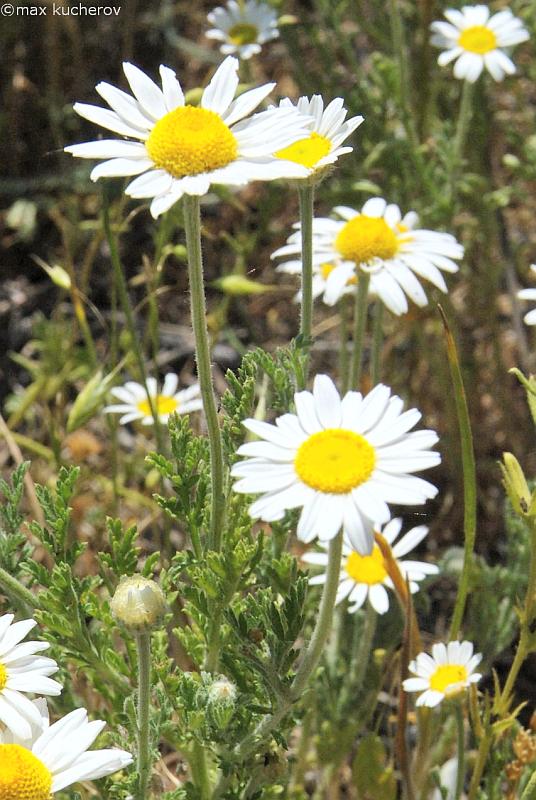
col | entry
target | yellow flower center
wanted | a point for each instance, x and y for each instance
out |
(306, 152)
(478, 39)
(326, 269)
(3, 677)
(243, 33)
(335, 461)
(366, 569)
(162, 405)
(448, 675)
(23, 776)
(191, 140)
(364, 238)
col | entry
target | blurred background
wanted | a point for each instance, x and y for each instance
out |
(50, 216)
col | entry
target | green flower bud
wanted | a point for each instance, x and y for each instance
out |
(89, 400)
(239, 285)
(220, 706)
(515, 484)
(138, 603)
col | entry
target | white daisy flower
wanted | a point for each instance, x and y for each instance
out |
(183, 149)
(379, 241)
(243, 27)
(135, 404)
(474, 40)
(55, 757)
(365, 577)
(447, 672)
(342, 461)
(529, 294)
(22, 672)
(328, 129)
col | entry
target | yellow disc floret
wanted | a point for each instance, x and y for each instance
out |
(367, 569)
(191, 140)
(23, 776)
(243, 33)
(306, 152)
(3, 677)
(162, 405)
(449, 675)
(335, 461)
(478, 39)
(365, 238)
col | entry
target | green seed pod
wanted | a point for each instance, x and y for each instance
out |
(138, 603)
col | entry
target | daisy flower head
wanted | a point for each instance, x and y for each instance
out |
(475, 41)
(529, 294)
(341, 460)
(365, 577)
(175, 148)
(54, 757)
(23, 671)
(243, 27)
(328, 129)
(379, 241)
(135, 404)
(447, 672)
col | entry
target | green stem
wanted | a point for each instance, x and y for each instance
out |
(482, 756)
(469, 478)
(359, 655)
(121, 285)
(460, 775)
(377, 341)
(527, 618)
(17, 591)
(143, 644)
(192, 224)
(529, 792)
(306, 195)
(464, 115)
(308, 664)
(360, 320)
(343, 353)
(399, 46)
(199, 768)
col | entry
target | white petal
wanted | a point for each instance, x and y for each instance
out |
(148, 94)
(222, 88)
(327, 402)
(171, 88)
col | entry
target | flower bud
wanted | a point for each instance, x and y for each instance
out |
(220, 707)
(515, 484)
(89, 400)
(138, 603)
(236, 285)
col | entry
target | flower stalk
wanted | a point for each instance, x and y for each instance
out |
(469, 478)
(143, 645)
(121, 286)
(306, 196)
(192, 224)
(360, 321)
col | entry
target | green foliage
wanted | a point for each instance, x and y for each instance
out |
(13, 545)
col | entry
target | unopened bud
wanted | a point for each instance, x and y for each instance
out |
(220, 707)
(515, 484)
(89, 400)
(241, 285)
(222, 689)
(138, 603)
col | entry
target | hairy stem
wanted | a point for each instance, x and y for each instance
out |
(143, 644)
(192, 224)
(306, 195)
(122, 290)
(360, 320)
